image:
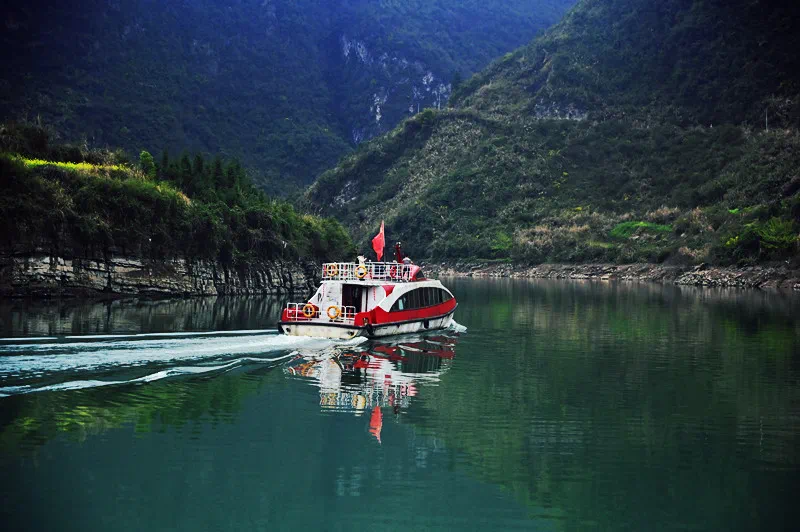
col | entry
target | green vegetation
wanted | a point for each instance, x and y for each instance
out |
(263, 81)
(627, 229)
(606, 139)
(198, 211)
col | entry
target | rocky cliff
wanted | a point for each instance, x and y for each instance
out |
(44, 275)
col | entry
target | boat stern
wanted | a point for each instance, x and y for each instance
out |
(320, 330)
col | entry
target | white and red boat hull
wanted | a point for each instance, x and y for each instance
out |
(346, 332)
(374, 300)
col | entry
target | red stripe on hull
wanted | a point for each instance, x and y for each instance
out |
(378, 316)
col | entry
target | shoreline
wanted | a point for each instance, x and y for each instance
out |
(41, 276)
(752, 277)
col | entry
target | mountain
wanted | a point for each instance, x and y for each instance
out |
(633, 130)
(285, 86)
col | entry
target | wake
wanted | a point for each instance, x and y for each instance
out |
(79, 362)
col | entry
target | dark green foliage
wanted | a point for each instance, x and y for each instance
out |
(147, 165)
(94, 210)
(777, 234)
(263, 81)
(627, 229)
(660, 60)
(610, 138)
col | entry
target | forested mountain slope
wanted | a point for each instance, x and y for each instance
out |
(286, 86)
(632, 130)
(71, 201)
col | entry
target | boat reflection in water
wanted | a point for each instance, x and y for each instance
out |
(377, 375)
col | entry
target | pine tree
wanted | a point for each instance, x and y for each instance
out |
(199, 181)
(147, 164)
(217, 174)
(163, 167)
(233, 174)
(456, 80)
(184, 172)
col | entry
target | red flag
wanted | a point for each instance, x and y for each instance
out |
(379, 242)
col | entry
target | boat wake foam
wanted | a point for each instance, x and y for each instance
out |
(73, 363)
(457, 327)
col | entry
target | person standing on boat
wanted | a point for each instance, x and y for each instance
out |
(407, 262)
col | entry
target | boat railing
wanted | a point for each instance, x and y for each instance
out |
(310, 312)
(380, 271)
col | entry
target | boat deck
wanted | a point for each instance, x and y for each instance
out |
(393, 272)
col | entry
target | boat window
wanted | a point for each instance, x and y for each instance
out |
(421, 297)
(400, 304)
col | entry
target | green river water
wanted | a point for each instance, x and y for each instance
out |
(550, 406)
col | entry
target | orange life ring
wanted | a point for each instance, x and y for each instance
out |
(361, 271)
(309, 310)
(332, 270)
(336, 312)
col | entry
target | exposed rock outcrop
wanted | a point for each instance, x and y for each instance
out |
(43, 275)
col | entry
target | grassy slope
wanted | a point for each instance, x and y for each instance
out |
(104, 205)
(622, 134)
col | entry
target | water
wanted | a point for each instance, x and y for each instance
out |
(552, 406)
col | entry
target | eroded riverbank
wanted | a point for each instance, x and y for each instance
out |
(761, 277)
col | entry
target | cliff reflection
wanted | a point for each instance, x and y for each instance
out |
(23, 317)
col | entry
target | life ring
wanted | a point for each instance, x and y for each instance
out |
(332, 270)
(336, 312)
(393, 272)
(361, 271)
(309, 310)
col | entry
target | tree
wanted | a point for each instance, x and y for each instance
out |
(147, 164)
(234, 174)
(163, 167)
(456, 80)
(217, 174)
(199, 182)
(198, 167)
(185, 171)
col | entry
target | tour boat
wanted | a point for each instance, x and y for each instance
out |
(370, 299)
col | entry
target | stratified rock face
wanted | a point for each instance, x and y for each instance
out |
(43, 275)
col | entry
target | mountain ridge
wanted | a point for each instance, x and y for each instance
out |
(593, 143)
(268, 82)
